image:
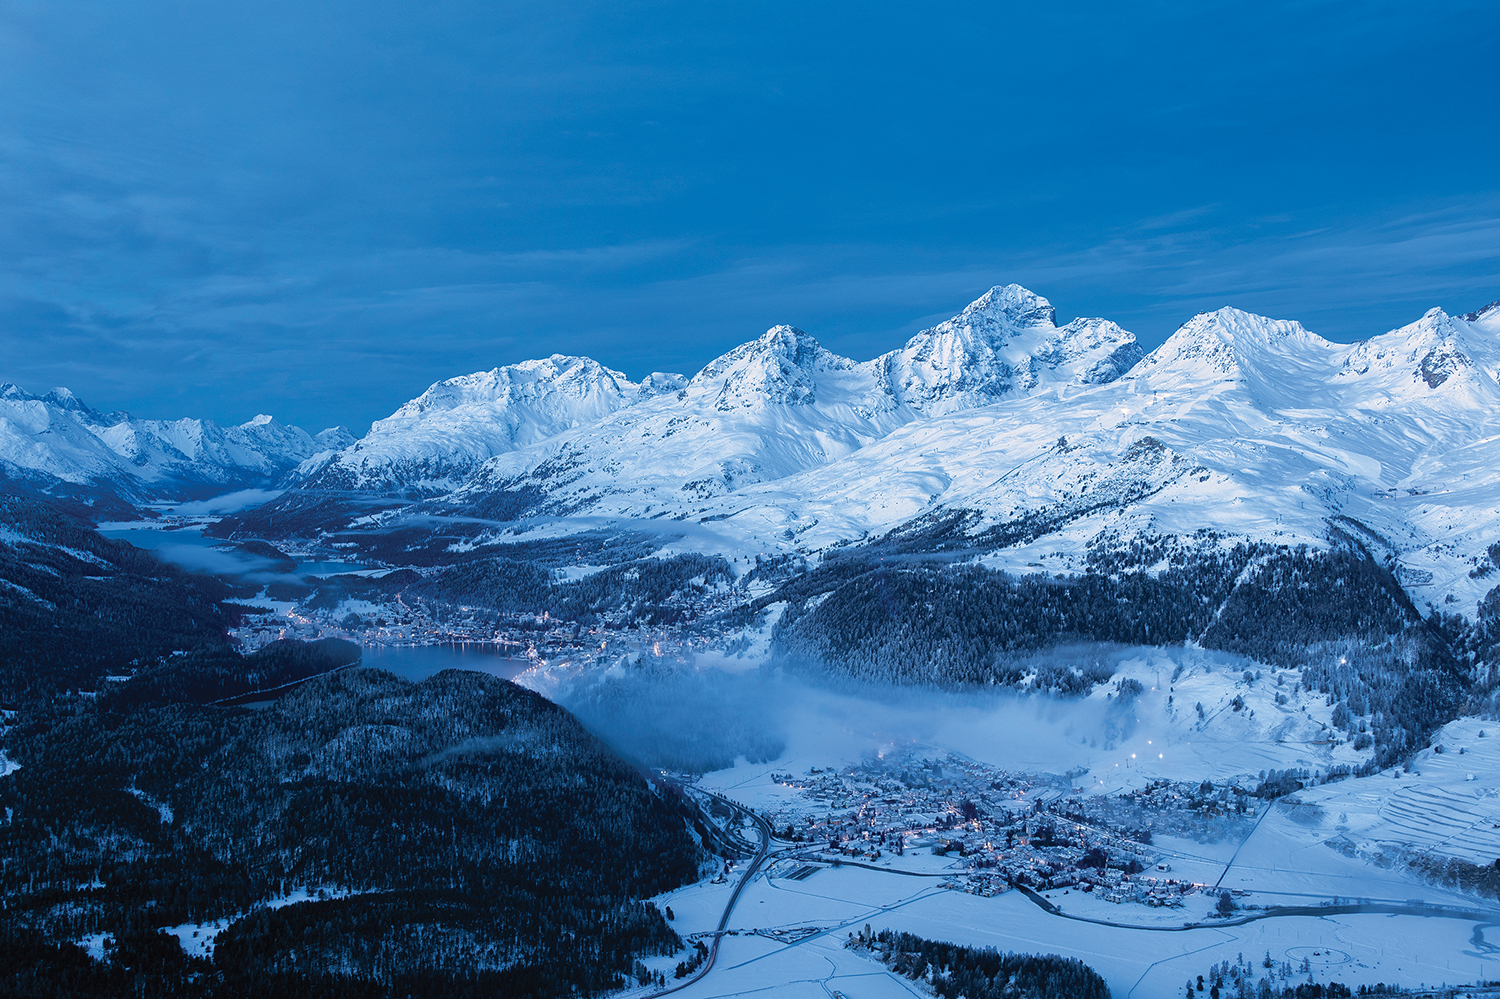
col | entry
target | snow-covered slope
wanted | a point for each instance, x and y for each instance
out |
(1251, 427)
(58, 437)
(430, 444)
(782, 405)
(1036, 444)
(766, 409)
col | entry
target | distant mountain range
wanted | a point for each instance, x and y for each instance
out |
(1033, 445)
(60, 446)
(998, 487)
(1065, 436)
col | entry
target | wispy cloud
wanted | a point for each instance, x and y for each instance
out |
(301, 211)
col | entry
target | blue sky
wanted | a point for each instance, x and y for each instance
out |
(316, 209)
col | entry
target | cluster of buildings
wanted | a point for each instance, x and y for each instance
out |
(999, 829)
(537, 636)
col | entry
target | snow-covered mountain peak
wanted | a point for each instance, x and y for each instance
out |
(559, 377)
(1231, 343)
(58, 438)
(781, 367)
(1010, 305)
(335, 438)
(433, 441)
(58, 398)
(64, 399)
(1002, 343)
(661, 383)
(1437, 352)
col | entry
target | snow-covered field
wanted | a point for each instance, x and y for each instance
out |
(1339, 843)
(1354, 949)
(1448, 805)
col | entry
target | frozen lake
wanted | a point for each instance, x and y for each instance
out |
(417, 663)
(187, 547)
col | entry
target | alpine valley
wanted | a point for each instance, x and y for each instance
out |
(1012, 627)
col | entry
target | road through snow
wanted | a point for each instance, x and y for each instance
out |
(764, 829)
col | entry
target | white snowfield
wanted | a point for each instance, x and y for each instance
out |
(57, 436)
(1255, 428)
(1446, 806)
(434, 441)
(782, 404)
(807, 958)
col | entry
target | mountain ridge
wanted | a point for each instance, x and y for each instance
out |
(57, 441)
(771, 407)
(1039, 437)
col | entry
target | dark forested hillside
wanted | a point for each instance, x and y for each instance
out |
(461, 836)
(211, 675)
(981, 973)
(1339, 614)
(75, 605)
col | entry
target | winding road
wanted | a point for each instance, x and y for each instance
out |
(764, 828)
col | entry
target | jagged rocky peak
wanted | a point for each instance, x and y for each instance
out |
(64, 399)
(1430, 352)
(1100, 350)
(1005, 341)
(60, 398)
(263, 430)
(1009, 306)
(779, 368)
(58, 435)
(434, 440)
(1489, 312)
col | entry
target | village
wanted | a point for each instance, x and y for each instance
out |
(1000, 830)
(534, 636)
(379, 619)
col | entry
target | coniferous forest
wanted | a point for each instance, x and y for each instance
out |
(981, 973)
(899, 611)
(472, 838)
(461, 836)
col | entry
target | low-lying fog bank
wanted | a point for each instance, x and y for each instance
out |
(1183, 714)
